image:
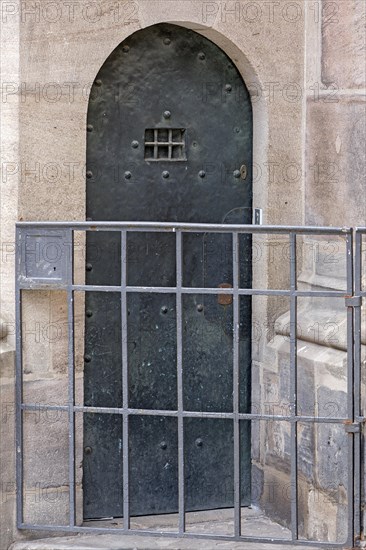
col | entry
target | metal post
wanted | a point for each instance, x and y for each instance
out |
(179, 274)
(350, 388)
(357, 384)
(20, 249)
(236, 382)
(293, 385)
(71, 376)
(125, 384)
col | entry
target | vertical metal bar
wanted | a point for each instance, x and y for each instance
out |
(71, 376)
(181, 498)
(293, 385)
(170, 139)
(357, 383)
(350, 390)
(20, 249)
(236, 381)
(124, 336)
(155, 143)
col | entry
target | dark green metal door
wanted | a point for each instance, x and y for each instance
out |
(169, 139)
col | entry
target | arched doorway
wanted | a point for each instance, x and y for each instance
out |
(169, 140)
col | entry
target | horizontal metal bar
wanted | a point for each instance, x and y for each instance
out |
(176, 534)
(186, 227)
(43, 407)
(164, 143)
(187, 414)
(190, 290)
(97, 288)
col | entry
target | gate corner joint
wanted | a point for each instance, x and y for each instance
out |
(353, 301)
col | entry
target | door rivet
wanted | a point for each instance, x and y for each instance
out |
(98, 82)
(135, 144)
(128, 175)
(228, 87)
(200, 307)
(89, 313)
(89, 128)
(165, 174)
(167, 41)
(236, 174)
(89, 174)
(88, 267)
(201, 55)
(201, 173)
(163, 445)
(167, 114)
(126, 49)
(164, 309)
(237, 130)
(87, 358)
(87, 450)
(199, 442)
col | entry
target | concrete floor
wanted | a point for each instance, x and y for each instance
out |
(219, 522)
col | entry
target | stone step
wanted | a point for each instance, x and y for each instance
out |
(137, 542)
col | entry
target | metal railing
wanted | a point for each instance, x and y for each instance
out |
(35, 272)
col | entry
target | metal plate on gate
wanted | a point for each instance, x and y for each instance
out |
(45, 257)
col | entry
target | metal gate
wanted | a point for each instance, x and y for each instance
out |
(39, 269)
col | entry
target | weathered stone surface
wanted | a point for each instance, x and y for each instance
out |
(331, 456)
(47, 505)
(336, 162)
(46, 442)
(324, 514)
(45, 334)
(343, 43)
(276, 497)
(331, 402)
(7, 362)
(306, 442)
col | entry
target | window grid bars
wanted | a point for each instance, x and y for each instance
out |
(170, 144)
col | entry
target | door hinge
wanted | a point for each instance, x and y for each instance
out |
(352, 427)
(353, 301)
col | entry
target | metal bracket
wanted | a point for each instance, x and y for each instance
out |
(353, 301)
(257, 216)
(352, 427)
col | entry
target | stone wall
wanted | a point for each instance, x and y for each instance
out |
(303, 63)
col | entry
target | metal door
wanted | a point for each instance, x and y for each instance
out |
(169, 139)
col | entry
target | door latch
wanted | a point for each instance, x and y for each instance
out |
(257, 216)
